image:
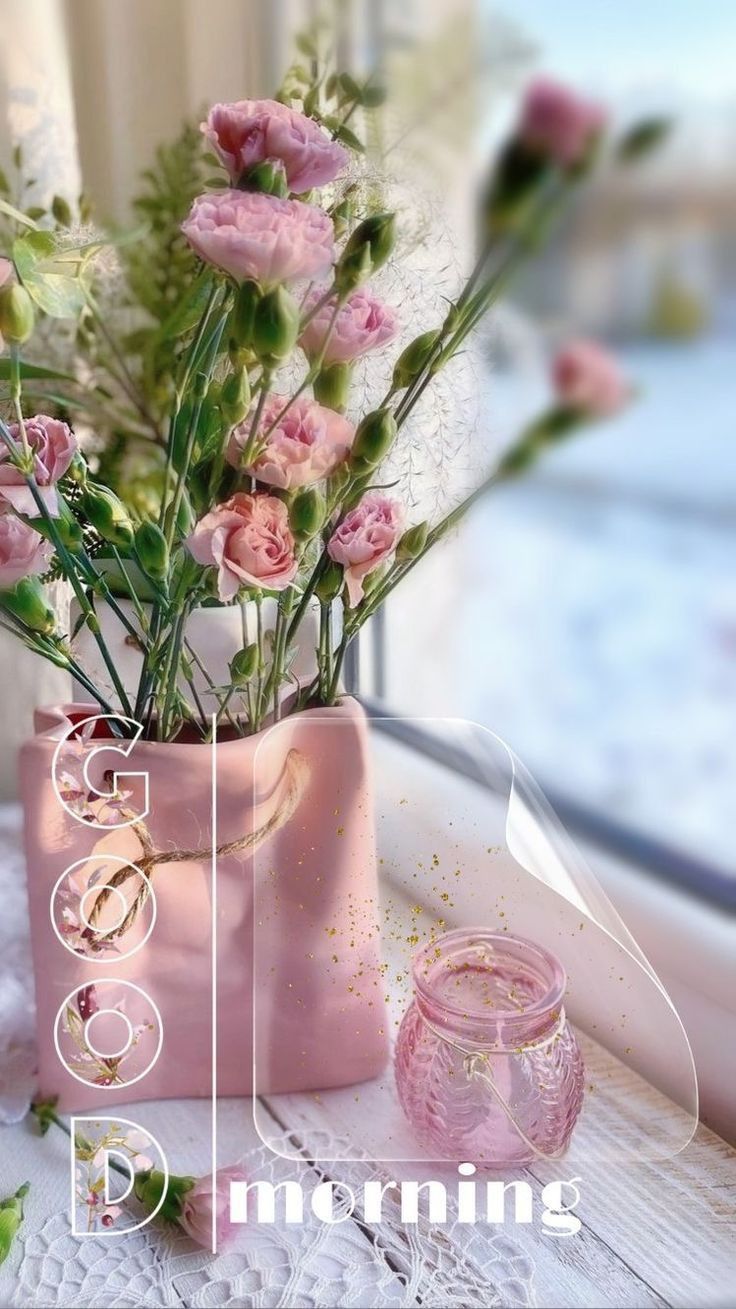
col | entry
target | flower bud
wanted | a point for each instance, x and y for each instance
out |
(78, 469)
(16, 314)
(108, 515)
(330, 583)
(366, 251)
(26, 601)
(235, 397)
(275, 326)
(373, 439)
(150, 1185)
(243, 314)
(11, 1217)
(307, 513)
(332, 384)
(413, 542)
(414, 359)
(64, 526)
(269, 176)
(152, 550)
(244, 664)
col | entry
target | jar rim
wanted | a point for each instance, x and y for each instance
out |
(552, 973)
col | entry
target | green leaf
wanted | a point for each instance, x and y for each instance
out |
(349, 88)
(306, 45)
(643, 137)
(4, 184)
(373, 96)
(349, 138)
(12, 212)
(29, 371)
(57, 292)
(61, 211)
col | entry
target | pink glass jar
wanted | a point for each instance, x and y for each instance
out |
(488, 1069)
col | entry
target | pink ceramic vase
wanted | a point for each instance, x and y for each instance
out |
(488, 1070)
(292, 925)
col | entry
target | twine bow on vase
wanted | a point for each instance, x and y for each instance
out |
(295, 775)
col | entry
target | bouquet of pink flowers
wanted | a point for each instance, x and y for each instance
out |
(268, 490)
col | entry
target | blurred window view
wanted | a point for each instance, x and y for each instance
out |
(598, 632)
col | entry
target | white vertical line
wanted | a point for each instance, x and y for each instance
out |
(213, 878)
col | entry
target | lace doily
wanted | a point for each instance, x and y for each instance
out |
(312, 1264)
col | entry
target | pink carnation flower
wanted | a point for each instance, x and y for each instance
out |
(363, 323)
(557, 122)
(368, 534)
(588, 378)
(53, 445)
(206, 1211)
(22, 551)
(251, 235)
(248, 132)
(304, 446)
(249, 542)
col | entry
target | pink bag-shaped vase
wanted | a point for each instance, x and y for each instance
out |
(129, 928)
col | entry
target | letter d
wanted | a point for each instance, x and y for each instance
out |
(82, 1141)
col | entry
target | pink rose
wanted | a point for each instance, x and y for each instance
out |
(587, 377)
(368, 534)
(257, 236)
(22, 551)
(557, 122)
(206, 1212)
(304, 446)
(249, 542)
(362, 324)
(250, 131)
(53, 445)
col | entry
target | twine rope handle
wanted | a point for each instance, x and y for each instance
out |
(296, 774)
(477, 1067)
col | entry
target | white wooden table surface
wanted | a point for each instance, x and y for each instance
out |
(652, 1233)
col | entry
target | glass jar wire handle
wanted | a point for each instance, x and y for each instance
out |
(477, 1067)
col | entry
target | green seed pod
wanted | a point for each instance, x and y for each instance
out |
(149, 1187)
(373, 439)
(243, 665)
(413, 542)
(243, 314)
(108, 515)
(27, 601)
(269, 177)
(332, 385)
(11, 1217)
(307, 513)
(17, 315)
(275, 326)
(413, 360)
(152, 550)
(330, 583)
(235, 397)
(366, 251)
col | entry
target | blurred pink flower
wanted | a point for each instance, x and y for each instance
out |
(249, 542)
(304, 446)
(588, 378)
(557, 122)
(251, 235)
(362, 323)
(249, 131)
(206, 1211)
(22, 551)
(53, 444)
(368, 534)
